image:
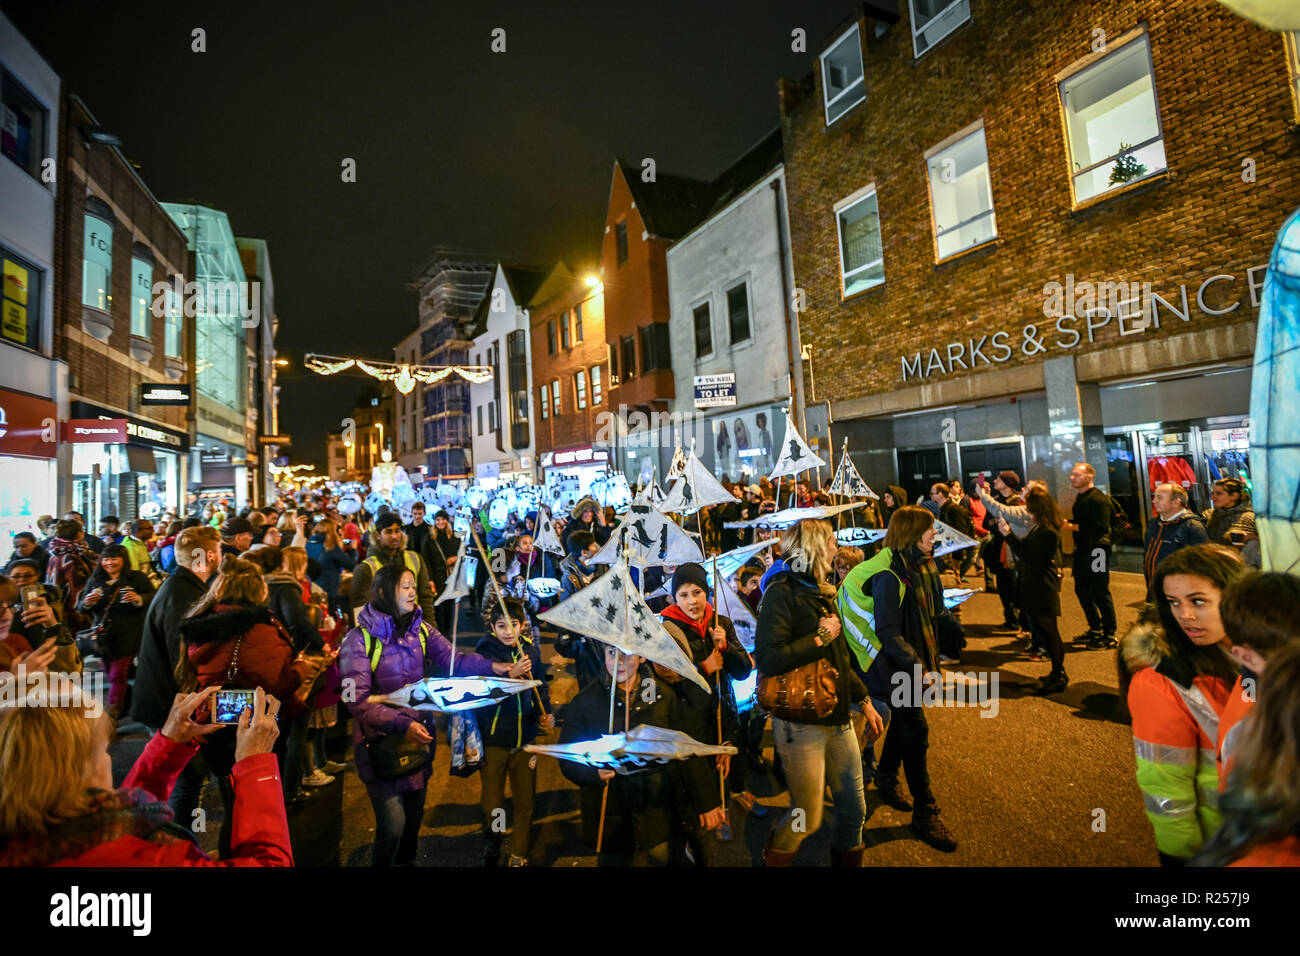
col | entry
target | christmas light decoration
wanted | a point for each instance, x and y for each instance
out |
(402, 376)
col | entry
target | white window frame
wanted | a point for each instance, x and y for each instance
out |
(1291, 42)
(944, 146)
(544, 404)
(859, 85)
(596, 385)
(555, 397)
(917, 30)
(749, 308)
(705, 301)
(580, 389)
(1073, 70)
(845, 204)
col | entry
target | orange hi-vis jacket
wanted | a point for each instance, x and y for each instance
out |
(1231, 724)
(1175, 732)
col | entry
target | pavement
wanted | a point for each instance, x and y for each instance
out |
(1021, 780)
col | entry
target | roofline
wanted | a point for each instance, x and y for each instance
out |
(777, 172)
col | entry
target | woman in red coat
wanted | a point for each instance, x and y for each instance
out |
(58, 806)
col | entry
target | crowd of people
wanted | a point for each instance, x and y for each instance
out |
(316, 613)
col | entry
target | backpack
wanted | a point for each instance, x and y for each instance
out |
(68, 573)
(857, 608)
(1119, 523)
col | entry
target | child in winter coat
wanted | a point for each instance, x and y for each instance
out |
(507, 728)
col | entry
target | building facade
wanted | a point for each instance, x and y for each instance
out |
(1024, 259)
(121, 326)
(733, 332)
(33, 382)
(502, 419)
(574, 434)
(262, 391)
(408, 408)
(225, 305)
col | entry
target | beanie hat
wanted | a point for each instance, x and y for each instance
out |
(1011, 480)
(690, 573)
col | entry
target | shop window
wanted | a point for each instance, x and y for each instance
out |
(97, 253)
(23, 124)
(1112, 121)
(1292, 42)
(580, 388)
(862, 263)
(141, 291)
(564, 331)
(595, 385)
(738, 313)
(550, 336)
(703, 331)
(842, 84)
(620, 241)
(932, 20)
(20, 322)
(174, 330)
(555, 395)
(577, 322)
(961, 195)
(544, 403)
(613, 363)
(627, 346)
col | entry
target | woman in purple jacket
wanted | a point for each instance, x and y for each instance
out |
(392, 619)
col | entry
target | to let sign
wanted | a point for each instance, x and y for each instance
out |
(712, 391)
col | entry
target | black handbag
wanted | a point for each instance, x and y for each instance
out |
(393, 757)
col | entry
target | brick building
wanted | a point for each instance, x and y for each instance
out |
(571, 376)
(1033, 233)
(114, 244)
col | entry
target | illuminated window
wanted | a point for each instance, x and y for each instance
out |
(595, 385)
(1112, 121)
(564, 331)
(961, 195)
(842, 84)
(862, 263)
(544, 404)
(97, 258)
(932, 20)
(141, 297)
(580, 388)
(555, 395)
(20, 322)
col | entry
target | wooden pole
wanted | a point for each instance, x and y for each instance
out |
(600, 831)
(717, 687)
(501, 598)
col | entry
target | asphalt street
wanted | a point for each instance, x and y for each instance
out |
(1021, 780)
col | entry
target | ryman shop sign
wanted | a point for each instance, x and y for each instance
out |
(1081, 310)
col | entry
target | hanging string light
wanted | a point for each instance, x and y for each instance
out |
(402, 376)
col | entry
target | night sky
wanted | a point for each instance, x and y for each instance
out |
(505, 153)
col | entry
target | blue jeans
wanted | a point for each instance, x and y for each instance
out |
(814, 756)
(397, 827)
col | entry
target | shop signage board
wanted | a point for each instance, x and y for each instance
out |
(28, 425)
(165, 394)
(137, 432)
(713, 391)
(273, 440)
(86, 431)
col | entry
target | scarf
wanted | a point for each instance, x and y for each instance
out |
(701, 627)
(111, 815)
(924, 580)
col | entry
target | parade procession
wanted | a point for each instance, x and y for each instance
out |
(700, 514)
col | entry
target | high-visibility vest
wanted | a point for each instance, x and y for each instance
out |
(1175, 730)
(410, 557)
(375, 649)
(1232, 722)
(858, 608)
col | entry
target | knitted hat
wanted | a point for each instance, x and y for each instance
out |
(690, 573)
(1011, 480)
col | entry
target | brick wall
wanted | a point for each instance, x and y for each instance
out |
(105, 373)
(571, 427)
(1221, 86)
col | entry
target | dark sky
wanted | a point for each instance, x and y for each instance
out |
(510, 153)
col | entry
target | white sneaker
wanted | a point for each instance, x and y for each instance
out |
(317, 778)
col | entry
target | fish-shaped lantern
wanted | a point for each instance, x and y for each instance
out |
(449, 695)
(639, 748)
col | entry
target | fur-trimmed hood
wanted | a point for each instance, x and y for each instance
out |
(1145, 644)
(223, 623)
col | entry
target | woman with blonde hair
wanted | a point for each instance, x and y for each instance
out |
(798, 629)
(58, 805)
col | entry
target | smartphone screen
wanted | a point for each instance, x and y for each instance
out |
(229, 704)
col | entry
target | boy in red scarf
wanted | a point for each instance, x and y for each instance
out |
(718, 655)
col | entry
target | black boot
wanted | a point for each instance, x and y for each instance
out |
(891, 791)
(927, 824)
(1053, 683)
(491, 849)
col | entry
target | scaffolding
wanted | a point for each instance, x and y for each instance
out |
(451, 284)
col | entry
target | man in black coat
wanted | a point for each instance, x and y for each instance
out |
(198, 553)
(1090, 520)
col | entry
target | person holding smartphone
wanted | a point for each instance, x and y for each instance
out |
(117, 598)
(31, 615)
